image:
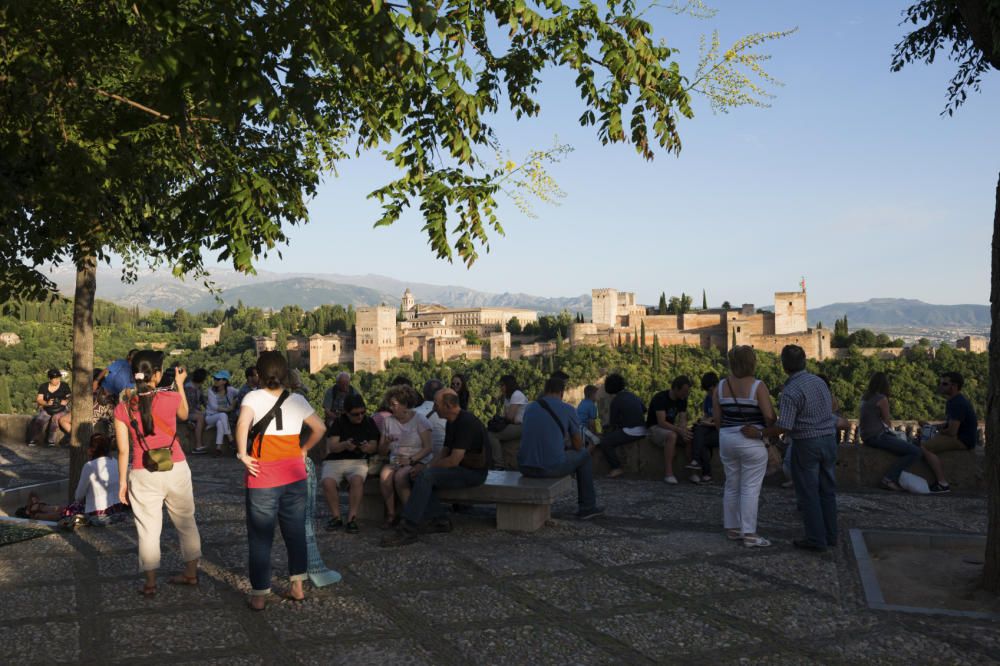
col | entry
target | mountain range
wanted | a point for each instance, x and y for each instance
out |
(881, 313)
(161, 291)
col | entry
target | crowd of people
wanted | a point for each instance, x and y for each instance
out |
(418, 443)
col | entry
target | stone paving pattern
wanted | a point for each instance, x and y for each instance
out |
(653, 581)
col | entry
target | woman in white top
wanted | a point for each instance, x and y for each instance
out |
(96, 496)
(514, 404)
(742, 400)
(407, 440)
(221, 401)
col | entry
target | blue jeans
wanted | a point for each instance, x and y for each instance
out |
(813, 473)
(706, 438)
(423, 504)
(578, 462)
(287, 505)
(908, 453)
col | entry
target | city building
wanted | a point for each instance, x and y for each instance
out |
(973, 343)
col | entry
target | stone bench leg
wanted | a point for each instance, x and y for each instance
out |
(522, 517)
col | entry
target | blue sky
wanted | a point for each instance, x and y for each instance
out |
(852, 179)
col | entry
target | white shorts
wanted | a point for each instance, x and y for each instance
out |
(341, 470)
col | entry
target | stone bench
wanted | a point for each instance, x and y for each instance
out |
(863, 467)
(523, 504)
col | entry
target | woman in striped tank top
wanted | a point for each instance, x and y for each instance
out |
(741, 400)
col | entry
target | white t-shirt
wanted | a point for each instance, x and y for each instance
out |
(98, 484)
(437, 424)
(294, 411)
(407, 436)
(520, 400)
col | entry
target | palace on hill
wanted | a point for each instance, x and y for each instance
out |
(432, 331)
(414, 330)
(616, 315)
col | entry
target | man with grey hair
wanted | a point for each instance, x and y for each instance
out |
(333, 399)
(431, 387)
(805, 413)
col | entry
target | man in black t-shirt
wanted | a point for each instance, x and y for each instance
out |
(667, 423)
(958, 432)
(351, 439)
(463, 463)
(53, 415)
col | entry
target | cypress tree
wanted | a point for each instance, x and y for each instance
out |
(704, 300)
(5, 405)
(662, 307)
(642, 334)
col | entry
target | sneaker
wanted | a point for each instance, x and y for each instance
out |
(352, 526)
(199, 450)
(787, 484)
(706, 478)
(695, 478)
(756, 542)
(334, 524)
(672, 480)
(401, 536)
(32, 445)
(694, 464)
(587, 514)
(939, 489)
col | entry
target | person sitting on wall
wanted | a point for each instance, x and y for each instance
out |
(958, 432)
(627, 422)
(514, 402)
(586, 412)
(221, 401)
(426, 409)
(667, 423)
(351, 441)
(464, 463)
(552, 446)
(196, 407)
(53, 414)
(705, 436)
(874, 423)
(118, 376)
(460, 385)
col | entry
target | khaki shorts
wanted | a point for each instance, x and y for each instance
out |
(940, 443)
(657, 436)
(341, 470)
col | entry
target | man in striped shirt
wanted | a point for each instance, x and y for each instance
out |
(806, 416)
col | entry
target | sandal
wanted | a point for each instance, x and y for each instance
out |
(756, 542)
(148, 590)
(181, 579)
(254, 608)
(734, 535)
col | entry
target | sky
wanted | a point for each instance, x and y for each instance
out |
(852, 179)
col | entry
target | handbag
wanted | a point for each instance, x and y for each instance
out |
(153, 460)
(496, 423)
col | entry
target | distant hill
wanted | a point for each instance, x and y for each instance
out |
(901, 312)
(161, 291)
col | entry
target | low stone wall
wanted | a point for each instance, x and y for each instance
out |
(14, 427)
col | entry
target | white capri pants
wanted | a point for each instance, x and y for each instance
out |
(221, 422)
(148, 492)
(745, 463)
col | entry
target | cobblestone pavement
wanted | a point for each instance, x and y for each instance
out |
(653, 581)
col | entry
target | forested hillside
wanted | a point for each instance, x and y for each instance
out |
(44, 329)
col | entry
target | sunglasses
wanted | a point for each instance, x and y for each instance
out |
(945, 384)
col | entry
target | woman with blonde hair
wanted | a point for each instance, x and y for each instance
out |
(742, 400)
(408, 441)
(156, 474)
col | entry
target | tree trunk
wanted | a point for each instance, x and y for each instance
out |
(83, 367)
(991, 574)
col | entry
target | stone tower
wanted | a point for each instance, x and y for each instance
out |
(376, 338)
(790, 312)
(407, 301)
(604, 307)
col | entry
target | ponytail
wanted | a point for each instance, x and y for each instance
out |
(145, 364)
(272, 368)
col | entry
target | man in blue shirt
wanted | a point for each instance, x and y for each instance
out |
(957, 433)
(552, 446)
(118, 376)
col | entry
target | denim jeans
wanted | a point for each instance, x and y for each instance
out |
(286, 505)
(813, 473)
(612, 439)
(576, 462)
(423, 505)
(705, 438)
(908, 453)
